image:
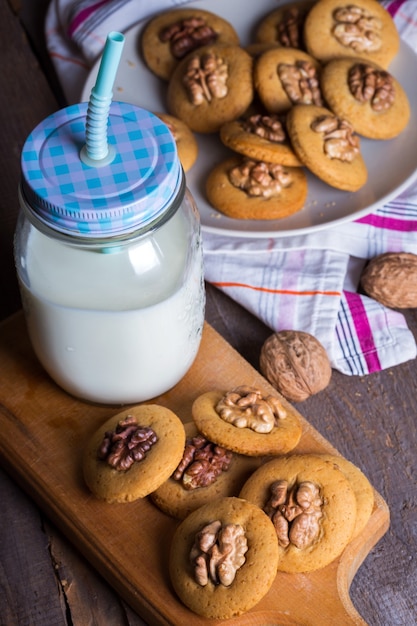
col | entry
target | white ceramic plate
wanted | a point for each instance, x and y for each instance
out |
(392, 165)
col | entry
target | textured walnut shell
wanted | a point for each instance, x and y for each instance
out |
(391, 279)
(296, 364)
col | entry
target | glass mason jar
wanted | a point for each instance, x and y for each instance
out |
(109, 258)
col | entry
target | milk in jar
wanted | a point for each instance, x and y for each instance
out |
(109, 259)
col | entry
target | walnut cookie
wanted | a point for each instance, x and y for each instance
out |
(284, 26)
(205, 473)
(246, 421)
(312, 506)
(185, 140)
(223, 558)
(283, 77)
(133, 452)
(368, 96)
(210, 87)
(243, 188)
(359, 28)
(260, 137)
(171, 35)
(328, 146)
(362, 488)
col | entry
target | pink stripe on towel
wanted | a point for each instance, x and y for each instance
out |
(395, 6)
(389, 223)
(363, 331)
(83, 15)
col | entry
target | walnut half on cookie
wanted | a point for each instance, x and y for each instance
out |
(284, 77)
(358, 28)
(328, 146)
(223, 558)
(312, 505)
(261, 137)
(133, 452)
(368, 96)
(205, 473)
(238, 419)
(210, 87)
(169, 36)
(243, 188)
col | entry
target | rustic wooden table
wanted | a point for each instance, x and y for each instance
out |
(44, 581)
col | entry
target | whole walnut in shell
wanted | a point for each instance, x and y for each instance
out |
(295, 363)
(391, 279)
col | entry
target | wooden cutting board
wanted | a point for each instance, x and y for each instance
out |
(42, 433)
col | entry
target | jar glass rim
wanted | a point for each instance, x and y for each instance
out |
(75, 238)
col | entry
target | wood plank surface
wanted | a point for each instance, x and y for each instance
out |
(25, 98)
(30, 591)
(44, 579)
(42, 434)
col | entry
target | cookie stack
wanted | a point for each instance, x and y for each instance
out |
(297, 99)
(249, 504)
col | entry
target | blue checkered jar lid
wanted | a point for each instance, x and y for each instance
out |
(125, 195)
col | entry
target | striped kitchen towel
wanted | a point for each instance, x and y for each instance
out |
(306, 282)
